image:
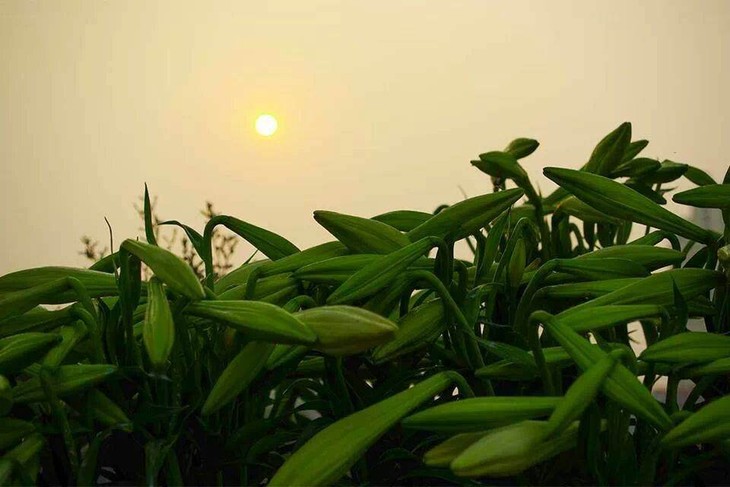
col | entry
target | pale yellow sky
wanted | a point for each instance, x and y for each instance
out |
(380, 104)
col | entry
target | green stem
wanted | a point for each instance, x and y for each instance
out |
(300, 302)
(534, 321)
(83, 295)
(691, 403)
(522, 225)
(463, 273)
(93, 329)
(671, 397)
(62, 419)
(464, 388)
(536, 202)
(251, 283)
(523, 308)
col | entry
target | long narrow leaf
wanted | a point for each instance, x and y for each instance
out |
(331, 452)
(622, 202)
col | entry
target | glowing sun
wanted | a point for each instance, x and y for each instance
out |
(266, 125)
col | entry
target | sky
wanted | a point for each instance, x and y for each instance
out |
(381, 105)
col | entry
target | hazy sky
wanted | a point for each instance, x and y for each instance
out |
(381, 105)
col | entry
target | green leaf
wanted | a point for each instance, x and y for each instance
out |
(346, 330)
(444, 453)
(512, 449)
(270, 244)
(263, 288)
(646, 191)
(106, 264)
(518, 369)
(585, 290)
(87, 472)
(238, 276)
(379, 273)
(688, 348)
(634, 149)
(16, 303)
(96, 284)
(491, 247)
(648, 256)
(237, 376)
(621, 385)
(610, 150)
(636, 168)
(719, 366)
(601, 269)
(260, 321)
(335, 270)
(158, 332)
(362, 235)
(416, 329)
(306, 257)
(196, 239)
(20, 455)
(505, 351)
(70, 336)
(601, 317)
(19, 351)
(522, 147)
(656, 236)
(708, 196)
(580, 395)
(6, 396)
(709, 424)
(282, 354)
(67, 380)
(500, 165)
(106, 411)
(155, 453)
(331, 452)
(575, 207)
(516, 265)
(13, 430)
(466, 217)
(168, 267)
(667, 172)
(481, 413)
(659, 288)
(403, 220)
(507, 370)
(622, 202)
(698, 176)
(148, 228)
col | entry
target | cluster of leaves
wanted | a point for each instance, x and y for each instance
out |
(380, 359)
(223, 243)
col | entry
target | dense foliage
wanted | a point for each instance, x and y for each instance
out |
(381, 359)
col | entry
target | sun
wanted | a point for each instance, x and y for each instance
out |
(266, 125)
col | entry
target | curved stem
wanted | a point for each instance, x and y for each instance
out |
(691, 402)
(523, 307)
(522, 225)
(91, 326)
(537, 318)
(83, 295)
(479, 255)
(299, 302)
(473, 353)
(536, 201)
(251, 283)
(463, 272)
(461, 383)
